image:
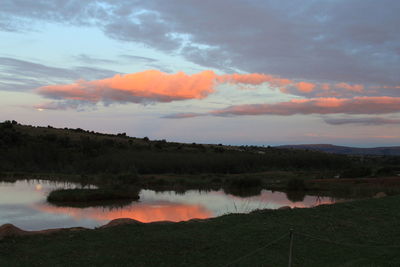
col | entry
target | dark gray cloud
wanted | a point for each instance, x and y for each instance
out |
(20, 14)
(64, 105)
(353, 41)
(362, 121)
(21, 75)
(91, 73)
(150, 30)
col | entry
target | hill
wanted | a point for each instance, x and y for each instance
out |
(381, 151)
(76, 151)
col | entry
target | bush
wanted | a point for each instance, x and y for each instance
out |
(7, 125)
(296, 185)
(86, 195)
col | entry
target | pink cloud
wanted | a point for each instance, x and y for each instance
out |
(325, 86)
(305, 87)
(255, 79)
(386, 87)
(354, 87)
(156, 86)
(152, 86)
(356, 105)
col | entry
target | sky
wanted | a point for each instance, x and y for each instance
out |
(240, 72)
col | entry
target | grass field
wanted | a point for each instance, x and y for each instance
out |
(359, 233)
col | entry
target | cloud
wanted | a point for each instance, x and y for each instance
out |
(146, 86)
(355, 87)
(87, 59)
(331, 43)
(356, 105)
(20, 75)
(183, 115)
(22, 15)
(305, 87)
(138, 58)
(362, 121)
(151, 30)
(254, 79)
(334, 42)
(155, 86)
(152, 86)
(61, 105)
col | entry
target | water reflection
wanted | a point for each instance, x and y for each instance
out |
(296, 196)
(23, 203)
(163, 211)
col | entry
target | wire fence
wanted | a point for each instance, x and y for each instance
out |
(291, 234)
(347, 244)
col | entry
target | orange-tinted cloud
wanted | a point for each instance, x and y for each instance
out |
(157, 86)
(354, 87)
(356, 105)
(325, 86)
(254, 79)
(150, 86)
(305, 87)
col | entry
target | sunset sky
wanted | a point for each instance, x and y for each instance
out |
(264, 72)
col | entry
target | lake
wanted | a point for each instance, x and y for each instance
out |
(24, 204)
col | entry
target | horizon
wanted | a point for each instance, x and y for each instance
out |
(231, 72)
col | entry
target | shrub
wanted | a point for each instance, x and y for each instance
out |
(84, 195)
(296, 185)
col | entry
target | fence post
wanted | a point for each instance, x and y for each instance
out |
(291, 247)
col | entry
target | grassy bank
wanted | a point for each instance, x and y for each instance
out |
(350, 234)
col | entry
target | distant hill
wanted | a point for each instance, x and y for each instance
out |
(381, 151)
(32, 149)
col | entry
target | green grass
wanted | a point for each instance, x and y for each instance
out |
(220, 241)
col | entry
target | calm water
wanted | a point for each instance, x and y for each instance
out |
(23, 204)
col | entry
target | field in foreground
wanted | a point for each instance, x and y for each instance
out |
(359, 233)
